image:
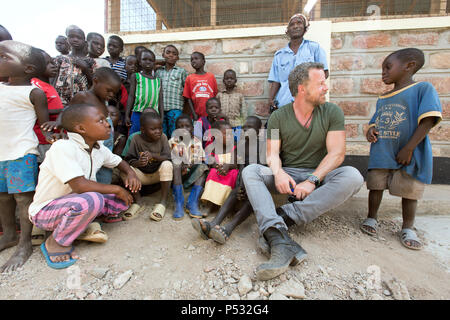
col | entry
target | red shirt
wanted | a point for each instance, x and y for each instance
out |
(200, 88)
(53, 101)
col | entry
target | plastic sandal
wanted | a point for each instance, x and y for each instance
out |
(409, 235)
(94, 233)
(371, 223)
(131, 212)
(158, 212)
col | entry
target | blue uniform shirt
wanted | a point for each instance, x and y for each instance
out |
(285, 61)
(396, 118)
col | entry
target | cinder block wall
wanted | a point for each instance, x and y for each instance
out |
(355, 81)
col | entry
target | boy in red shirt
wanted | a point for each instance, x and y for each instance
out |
(199, 86)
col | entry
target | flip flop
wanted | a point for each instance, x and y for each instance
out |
(57, 265)
(37, 236)
(409, 235)
(158, 212)
(131, 212)
(197, 225)
(219, 234)
(94, 233)
(371, 223)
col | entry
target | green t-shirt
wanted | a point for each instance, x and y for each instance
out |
(304, 147)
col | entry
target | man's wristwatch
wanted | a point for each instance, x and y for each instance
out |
(312, 178)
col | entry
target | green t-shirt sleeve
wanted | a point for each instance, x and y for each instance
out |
(273, 124)
(337, 120)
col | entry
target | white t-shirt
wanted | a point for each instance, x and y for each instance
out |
(64, 161)
(17, 119)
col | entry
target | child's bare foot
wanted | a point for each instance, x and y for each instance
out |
(7, 241)
(19, 257)
(53, 247)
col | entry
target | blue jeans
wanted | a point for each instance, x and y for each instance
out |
(338, 185)
(135, 122)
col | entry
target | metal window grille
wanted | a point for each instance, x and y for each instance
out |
(147, 15)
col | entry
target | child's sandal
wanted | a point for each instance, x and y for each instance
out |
(158, 212)
(369, 223)
(131, 212)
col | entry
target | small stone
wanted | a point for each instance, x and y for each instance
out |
(235, 296)
(99, 273)
(387, 293)
(263, 292)
(81, 294)
(361, 290)
(398, 289)
(253, 295)
(208, 269)
(375, 296)
(244, 285)
(191, 248)
(293, 289)
(283, 277)
(104, 290)
(277, 296)
(122, 279)
(91, 296)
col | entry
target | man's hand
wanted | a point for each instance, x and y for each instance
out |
(284, 182)
(372, 135)
(304, 189)
(404, 156)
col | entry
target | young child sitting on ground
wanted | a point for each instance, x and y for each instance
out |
(199, 86)
(145, 92)
(214, 113)
(233, 103)
(400, 153)
(67, 196)
(223, 172)
(96, 47)
(149, 157)
(213, 229)
(21, 104)
(187, 158)
(74, 70)
(173, 79)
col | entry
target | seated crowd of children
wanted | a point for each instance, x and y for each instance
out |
(107, 129)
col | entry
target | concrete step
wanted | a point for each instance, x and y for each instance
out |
(435, 201)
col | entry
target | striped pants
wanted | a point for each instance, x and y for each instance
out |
(70, 215)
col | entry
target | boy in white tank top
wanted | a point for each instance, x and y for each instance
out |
(20, 105)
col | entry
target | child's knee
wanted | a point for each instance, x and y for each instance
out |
(91, 202)
(166, 171)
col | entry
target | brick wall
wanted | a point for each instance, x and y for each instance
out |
(355, 65)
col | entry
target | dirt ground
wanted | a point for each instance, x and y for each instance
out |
(168, 260)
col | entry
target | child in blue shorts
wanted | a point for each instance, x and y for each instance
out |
(21, 104)
(401, 158)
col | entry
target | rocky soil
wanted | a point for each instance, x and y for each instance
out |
(147, 260)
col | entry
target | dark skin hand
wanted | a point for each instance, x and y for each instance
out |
(405, 154)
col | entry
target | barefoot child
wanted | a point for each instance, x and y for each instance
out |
(149, 157)
(400, 153)
(68, 198)
(223, 174)
(199, 87)
(21, 104)
(173, 79)
(145, 92)
(187, 158)
(233, 103)
(238, 196)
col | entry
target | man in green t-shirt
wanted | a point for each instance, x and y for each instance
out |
(305, 147)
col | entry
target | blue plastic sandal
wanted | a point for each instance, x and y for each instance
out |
(57, 265)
